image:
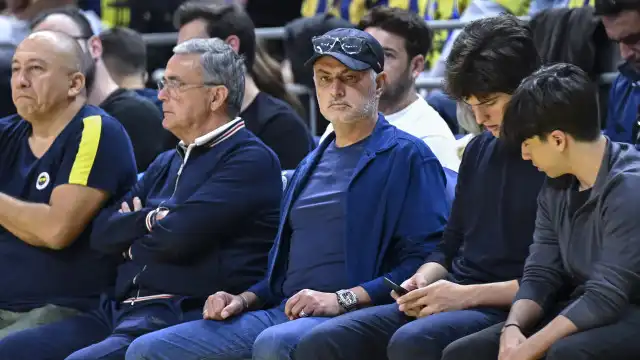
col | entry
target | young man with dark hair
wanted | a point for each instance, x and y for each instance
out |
(271, 119)
(469, 281)
(406, 40)
(579, 296)
(125, 55)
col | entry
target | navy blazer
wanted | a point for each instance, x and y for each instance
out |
(396, 210)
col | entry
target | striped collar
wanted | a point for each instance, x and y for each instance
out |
(216, 136)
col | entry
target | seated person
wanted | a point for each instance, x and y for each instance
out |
(125, 56)
(336, 241)
(621, 20)
(201, 220)
(140, 117)
(469, 281)
(406, 40)
(270, 119)
(61, 161)
(580, 293)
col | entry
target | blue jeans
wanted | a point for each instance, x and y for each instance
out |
(263, 334)
(383, 332)
(101, 334)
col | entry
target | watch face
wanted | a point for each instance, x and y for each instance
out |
(349, 298)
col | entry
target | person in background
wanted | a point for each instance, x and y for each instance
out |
(621, 20)
(468, 282)
(125, 57)
(267, 74)
(272, 120)
(579, 297)
(61, 162)
(336, 241)
(201, 220)
(139, 116)
(406, 40)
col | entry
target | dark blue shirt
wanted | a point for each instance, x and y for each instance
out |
(94, 151)
(491, 225)
(317, 220)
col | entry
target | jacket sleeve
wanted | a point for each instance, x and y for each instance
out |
(421, 223)
(543, 269)
(453, 237)
(616, 275)
(247, 182)
(114, 232)
(612, 104)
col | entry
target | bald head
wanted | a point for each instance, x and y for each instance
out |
(55, 47)
(47, 71)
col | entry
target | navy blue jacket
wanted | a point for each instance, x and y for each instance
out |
(396, 210)
(623, 106)
(223, 216)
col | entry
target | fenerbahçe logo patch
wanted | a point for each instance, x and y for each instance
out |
(43, 181)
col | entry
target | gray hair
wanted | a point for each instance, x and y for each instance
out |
(220, 66)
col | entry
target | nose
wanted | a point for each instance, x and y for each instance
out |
(525, 153)
(337, 89)
(162, 95)
(19, 80)
(480, 115)
(626, 51)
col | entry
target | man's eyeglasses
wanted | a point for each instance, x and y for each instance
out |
(172, 84)
(350, 45)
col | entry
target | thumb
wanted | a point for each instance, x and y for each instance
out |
(420, 281)
(231, 309)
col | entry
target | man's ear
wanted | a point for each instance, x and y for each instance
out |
(381, 80)
(94, 47)
(234, 42)
(76, 84)
(219, 95)
(416, 66)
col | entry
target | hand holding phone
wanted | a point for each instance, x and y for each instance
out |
(395, 287)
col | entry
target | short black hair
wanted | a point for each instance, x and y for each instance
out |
(223, 20)
(408, 25)
(491, 55)
(556, 97)
(124, 51)
(615, 7)
(75, 14)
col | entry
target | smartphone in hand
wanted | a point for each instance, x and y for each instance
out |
(395, 287)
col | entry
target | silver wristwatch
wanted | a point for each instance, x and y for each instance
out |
(347, 299)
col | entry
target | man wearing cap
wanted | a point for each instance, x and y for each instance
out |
(353, 213)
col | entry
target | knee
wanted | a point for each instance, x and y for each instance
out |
(317, 344)
(471, 348)
(408, 344)
(272, 344)
(564, 349)
(141, 348)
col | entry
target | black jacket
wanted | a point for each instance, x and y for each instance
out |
(575, 36)
(596, 251)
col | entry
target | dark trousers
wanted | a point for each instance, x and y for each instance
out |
(618, 341)
(101, 334)
(383, 332)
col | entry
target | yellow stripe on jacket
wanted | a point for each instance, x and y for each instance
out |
(87, 150)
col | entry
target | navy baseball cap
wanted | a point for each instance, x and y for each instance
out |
(354, 48)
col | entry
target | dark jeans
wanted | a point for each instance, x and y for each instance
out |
(263, 334)
(618, 341)
(101, 334)
(383, 332)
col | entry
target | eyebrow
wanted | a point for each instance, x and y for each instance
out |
(339, 73)
(29, 61)
(391, 50)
